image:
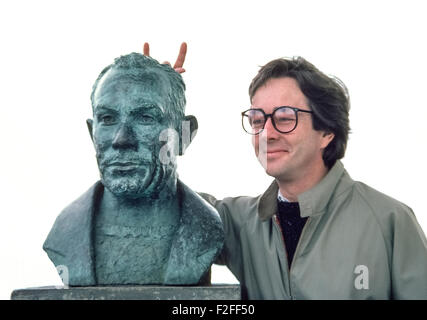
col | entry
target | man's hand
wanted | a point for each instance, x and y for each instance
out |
(179, 61)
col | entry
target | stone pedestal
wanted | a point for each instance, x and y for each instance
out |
(213, 292)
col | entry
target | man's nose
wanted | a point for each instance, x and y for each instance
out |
(269, 131)
(125, 138)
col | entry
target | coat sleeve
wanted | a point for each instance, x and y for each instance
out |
(409, 257)
(231, 255)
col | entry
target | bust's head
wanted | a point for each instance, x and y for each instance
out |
(138, 115)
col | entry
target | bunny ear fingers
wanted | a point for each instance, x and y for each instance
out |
(179, 61)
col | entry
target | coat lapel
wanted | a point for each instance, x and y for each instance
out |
(69, 242)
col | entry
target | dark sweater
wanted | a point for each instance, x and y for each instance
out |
(291, 224)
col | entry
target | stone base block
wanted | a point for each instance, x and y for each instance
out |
(213, 292)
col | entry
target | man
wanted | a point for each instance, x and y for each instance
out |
(140, 224)
(315, 233)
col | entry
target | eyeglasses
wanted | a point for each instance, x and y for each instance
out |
(284, 119)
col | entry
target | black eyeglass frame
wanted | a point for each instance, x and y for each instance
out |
(270, 115)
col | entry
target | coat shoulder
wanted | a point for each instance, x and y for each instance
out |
(384, 207)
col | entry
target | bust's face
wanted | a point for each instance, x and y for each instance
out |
(128, 119)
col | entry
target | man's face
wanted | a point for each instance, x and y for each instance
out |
(128, 118)
(294, 155)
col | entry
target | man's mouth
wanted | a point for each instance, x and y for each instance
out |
(275, 153)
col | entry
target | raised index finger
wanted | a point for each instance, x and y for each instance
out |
(181, 56)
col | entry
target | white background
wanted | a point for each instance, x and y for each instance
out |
(52, 51)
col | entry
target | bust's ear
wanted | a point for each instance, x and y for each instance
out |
(188, 131)
(89, 123)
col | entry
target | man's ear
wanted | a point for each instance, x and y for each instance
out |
(327, 138)
(89, 123)
(188, 131)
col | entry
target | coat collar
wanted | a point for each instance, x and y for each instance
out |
(312, 202)
(198, 241)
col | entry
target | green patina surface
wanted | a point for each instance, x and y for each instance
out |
(142, 220)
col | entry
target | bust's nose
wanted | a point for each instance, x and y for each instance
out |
(125, 138)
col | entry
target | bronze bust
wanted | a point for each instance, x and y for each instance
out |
(139, 224)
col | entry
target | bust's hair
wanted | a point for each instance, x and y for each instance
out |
(139, 67)
(327, 96)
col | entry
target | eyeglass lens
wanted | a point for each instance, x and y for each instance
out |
(284, 120)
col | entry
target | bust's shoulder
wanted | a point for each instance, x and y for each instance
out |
(195, 209)
(81, 209)
(198, 241)
(74, 218)
(69, 241)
